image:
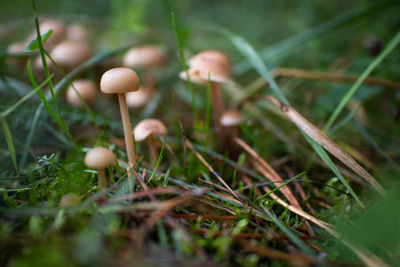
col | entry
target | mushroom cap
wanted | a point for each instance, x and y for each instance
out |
(99, 158)
(139, 98)
(70, 54)
(77, 32)
(16, 47)
(216, 55)
(148, 127)
(119, 80)
(144, 56)
(209, 63)
(231, 118)
(70, 200)
(86, 89)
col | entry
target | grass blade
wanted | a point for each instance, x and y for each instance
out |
(247, 50)
(10, 143)
(322, 140)
(347, 97)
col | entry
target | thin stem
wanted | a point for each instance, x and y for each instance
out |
(101, 176)
(153, 150)
(130, 148)
(218, 105)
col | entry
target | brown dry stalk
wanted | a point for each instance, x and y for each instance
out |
(335, 77)
(318, 136)
(296, 260)
(200, 157)
(269, 172)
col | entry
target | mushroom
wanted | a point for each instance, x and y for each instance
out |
(69, 54)
(99, 158)
(18, 47)
(77, 32)
(147, 129)
(81, 90)
(70, 200)
(147, 57)
(216, 67)
(121, 81)
(230, 119)
(139, 98)
(59, 31)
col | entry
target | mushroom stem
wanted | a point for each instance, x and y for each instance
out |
(101, 176)
(153, 150)
(130, 149)
(218, 105)
(149, 83)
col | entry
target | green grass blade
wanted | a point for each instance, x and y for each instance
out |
(10, 143)
(34, 44)
(297, 241)
(347, 97)
(6, 112)
(282, 185)
(250, 53)
(324, 156)
(160, 157)
(184, 65)
(53, 113)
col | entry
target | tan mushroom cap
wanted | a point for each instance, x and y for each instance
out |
(70, 54)
(231, 118)
(119, 80)
(214, 55)
(85, 88)
(77, 32)
(138, 98)
(144, 56)
(16, 47)
(148, 127)
(99, 158)
(209, 63)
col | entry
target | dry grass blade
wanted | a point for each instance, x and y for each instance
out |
(269, 172)
(318, 136)
(200, 157)
(335, 77)
(295, 260)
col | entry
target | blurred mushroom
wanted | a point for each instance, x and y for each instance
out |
(147, 129)
(99, 158)
(121, 81)
(214, 66)
(373, 45)
(146, 57)
(69, 54)
(85, 89)
(70, 200)
(139, 98)
(77, 32)
(15, 48)
(231, 119)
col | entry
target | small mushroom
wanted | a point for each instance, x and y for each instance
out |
(70, 200)
(146, 57)
(77, 32)
(139, 98)
(121, 81)
(216, 67)
(99, 158)
(230, 119)
(18, 47)
(147, 129)
(69, 54)
(85, 89)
